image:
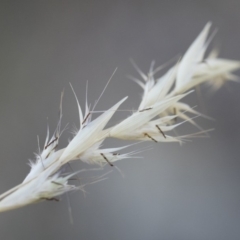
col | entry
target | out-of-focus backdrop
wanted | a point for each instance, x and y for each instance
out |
(175, 192)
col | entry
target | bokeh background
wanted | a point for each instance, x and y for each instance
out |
(174, 192)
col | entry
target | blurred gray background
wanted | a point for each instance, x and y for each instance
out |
(174, 192)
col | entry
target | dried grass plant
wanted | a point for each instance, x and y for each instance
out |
(161, 110)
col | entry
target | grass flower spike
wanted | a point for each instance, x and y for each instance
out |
(155, 120)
